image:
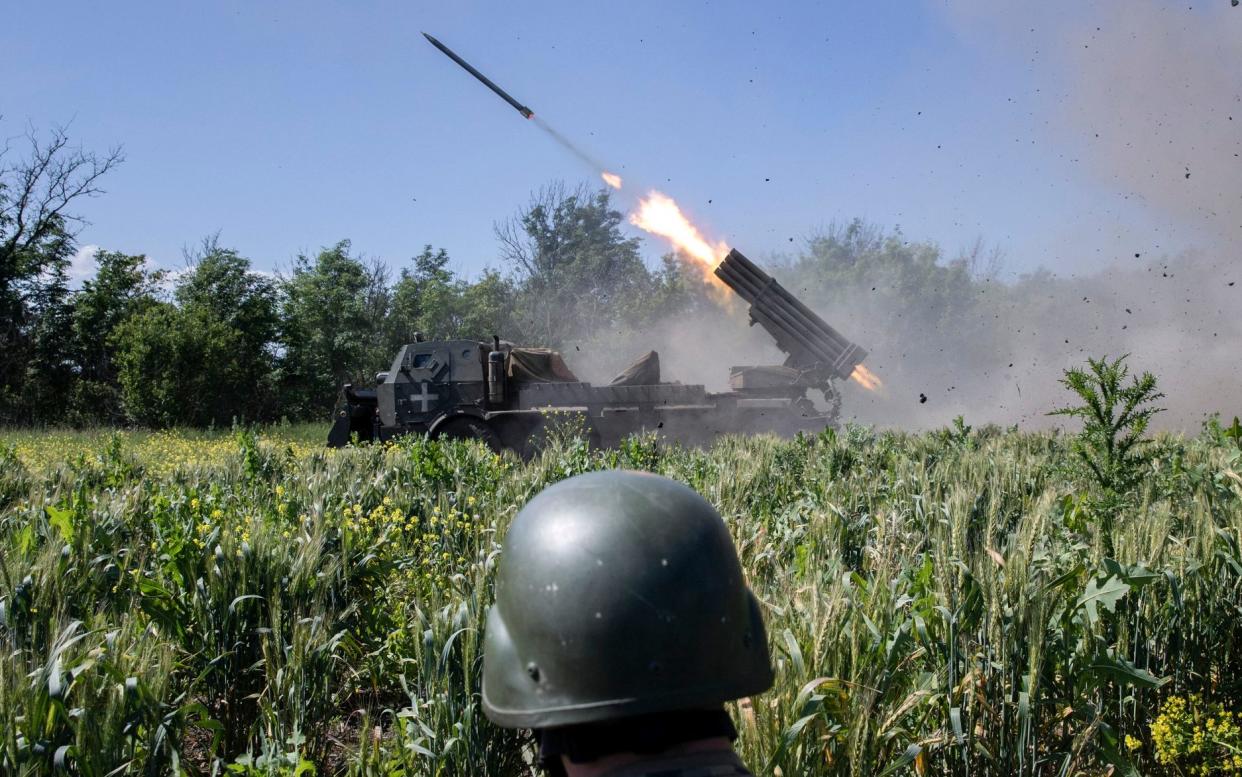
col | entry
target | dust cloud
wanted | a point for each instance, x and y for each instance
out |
(997, 359)
(1001, 360)
(1149, 99)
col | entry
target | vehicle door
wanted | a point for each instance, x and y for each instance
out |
(424, 384)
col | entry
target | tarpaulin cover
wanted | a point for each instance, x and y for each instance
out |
(539, 365)
(645, 371)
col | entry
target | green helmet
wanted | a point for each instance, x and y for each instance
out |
(619, 594)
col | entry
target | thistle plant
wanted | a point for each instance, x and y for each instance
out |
(1115, 415)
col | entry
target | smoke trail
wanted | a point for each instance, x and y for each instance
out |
(612, 179)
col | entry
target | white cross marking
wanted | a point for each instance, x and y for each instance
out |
(425, 398)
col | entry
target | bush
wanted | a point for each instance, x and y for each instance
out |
(1198, 738)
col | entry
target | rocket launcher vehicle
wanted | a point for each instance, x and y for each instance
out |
(503, 395)
(812, 346)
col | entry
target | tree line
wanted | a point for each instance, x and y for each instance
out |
(220, 342)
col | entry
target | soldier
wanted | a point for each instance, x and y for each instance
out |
(621, 626)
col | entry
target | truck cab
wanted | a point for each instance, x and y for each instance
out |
(428, 380)
(431, 387)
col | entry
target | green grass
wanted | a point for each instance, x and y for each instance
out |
(44, 449)
(938, 603)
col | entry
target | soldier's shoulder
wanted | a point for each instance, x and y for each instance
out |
(704, 771)
(708, 764)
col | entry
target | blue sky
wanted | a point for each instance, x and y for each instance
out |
(287, 126)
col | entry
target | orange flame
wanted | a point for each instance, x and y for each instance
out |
(658, 214)
(612, 179)
(866, 378)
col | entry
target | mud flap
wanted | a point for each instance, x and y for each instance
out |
(338, 435)
(355, 416)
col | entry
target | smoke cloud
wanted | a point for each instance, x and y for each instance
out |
(996, 358)
(1149, 99)
(1158, 92)
(1001, 361)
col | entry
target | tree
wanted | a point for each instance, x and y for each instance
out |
(50, 371)
(222, 288)
(37, 228)
(327, 331)
(575, 272)
(429, 299)
(208, 359)
(377, 298)
(122, 287)
(423, 299)
(487, 307)
(178, 366)
(679, 290)
(906, 299)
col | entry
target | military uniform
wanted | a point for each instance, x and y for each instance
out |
(716, 763)
(622, 624)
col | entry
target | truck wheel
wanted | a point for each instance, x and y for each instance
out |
(468, 428)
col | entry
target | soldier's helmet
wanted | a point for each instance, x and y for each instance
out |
(619, 594)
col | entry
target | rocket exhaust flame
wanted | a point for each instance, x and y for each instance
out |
(866, 378)
(612, 179)
(659, 214)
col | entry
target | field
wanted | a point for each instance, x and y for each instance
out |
(957, 602)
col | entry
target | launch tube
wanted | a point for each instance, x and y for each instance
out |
(765, 293)
(798, 330)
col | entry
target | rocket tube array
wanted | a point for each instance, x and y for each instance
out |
(797, 329)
